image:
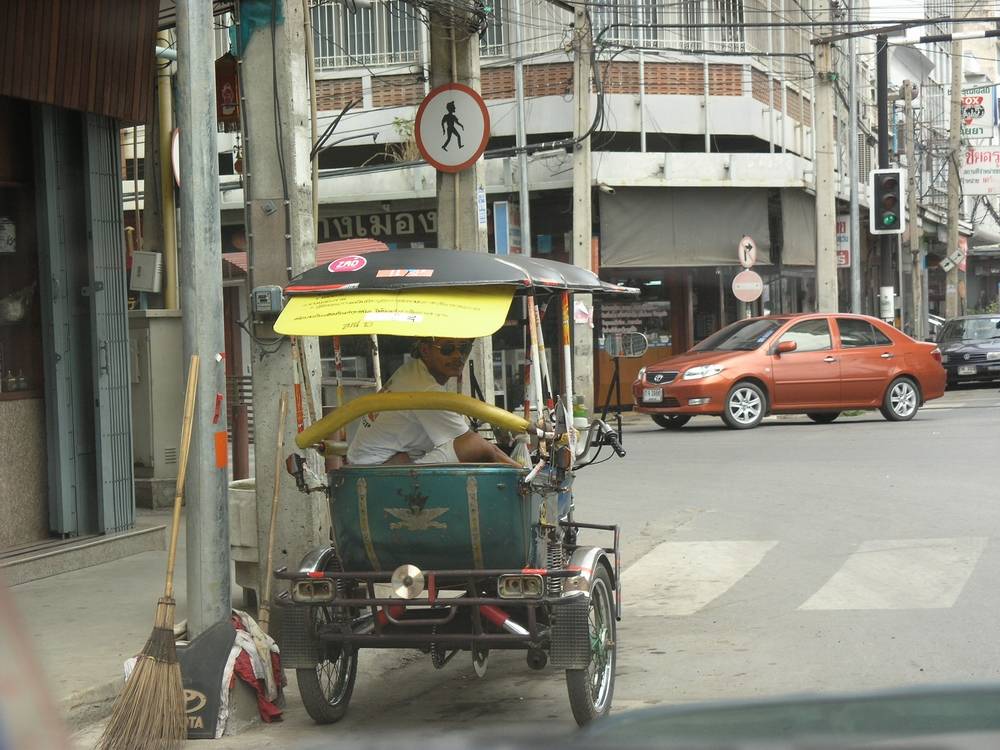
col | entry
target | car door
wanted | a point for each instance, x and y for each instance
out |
(866, 361)
(809, 376)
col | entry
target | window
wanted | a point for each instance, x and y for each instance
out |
(855, 333)
(809, 335)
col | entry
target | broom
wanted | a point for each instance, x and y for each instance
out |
(150, 712)
(264, 615)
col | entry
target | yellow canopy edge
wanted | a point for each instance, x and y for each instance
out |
(455, 312)
(377, 402)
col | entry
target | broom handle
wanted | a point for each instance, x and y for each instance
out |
(189, 399)
(264, 617)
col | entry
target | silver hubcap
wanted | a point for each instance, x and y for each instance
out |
(903, 399)
(745, 405)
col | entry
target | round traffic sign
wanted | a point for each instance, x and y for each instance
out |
(748, 286)
(747, 251)
(452, 127)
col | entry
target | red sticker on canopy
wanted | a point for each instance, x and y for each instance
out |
(347, 263)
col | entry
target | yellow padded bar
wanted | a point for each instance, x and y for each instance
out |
(431, 401)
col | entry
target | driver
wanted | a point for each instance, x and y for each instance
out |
(424, 437)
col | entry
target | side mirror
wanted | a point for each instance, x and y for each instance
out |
(784, 347)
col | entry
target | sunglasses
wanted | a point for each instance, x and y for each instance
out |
(448, 349)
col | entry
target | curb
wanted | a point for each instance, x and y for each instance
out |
(90, 705)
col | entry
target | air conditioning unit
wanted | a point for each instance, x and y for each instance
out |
(147, 271)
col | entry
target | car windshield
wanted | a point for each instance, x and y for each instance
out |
(971, 329)
(745, 335)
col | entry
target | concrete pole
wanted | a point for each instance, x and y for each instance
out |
(455, 58)
(852, 169)
(917, 314)
(826, 196)
(524, 197)
(885, 241)
(279, 235)
(207, 517)
(583, 335)
(952, 304)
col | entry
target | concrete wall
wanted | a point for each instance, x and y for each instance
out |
(23, 486)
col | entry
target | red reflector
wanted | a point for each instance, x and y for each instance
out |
(316, 574)
(534, 571)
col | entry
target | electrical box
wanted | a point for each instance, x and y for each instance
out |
(267, 300)
(147, 271)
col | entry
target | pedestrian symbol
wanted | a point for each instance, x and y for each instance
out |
(452, 127)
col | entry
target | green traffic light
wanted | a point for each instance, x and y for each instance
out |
(888, 219)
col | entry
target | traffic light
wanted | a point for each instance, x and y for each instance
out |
(887, 212)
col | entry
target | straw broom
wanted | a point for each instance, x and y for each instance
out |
(264, 615)
(150, 712)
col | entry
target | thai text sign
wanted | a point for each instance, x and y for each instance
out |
(981, 170)
(844, 241)
(979, 111)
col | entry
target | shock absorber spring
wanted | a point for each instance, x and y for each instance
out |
(554, 560)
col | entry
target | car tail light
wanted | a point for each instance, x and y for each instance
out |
(936, 354)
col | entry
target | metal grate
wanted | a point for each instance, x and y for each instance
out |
(386, 33)
(570, 644)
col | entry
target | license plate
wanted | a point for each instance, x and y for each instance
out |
(967, 370)
(652, 394)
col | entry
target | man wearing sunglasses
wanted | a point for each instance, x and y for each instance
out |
(424, 437)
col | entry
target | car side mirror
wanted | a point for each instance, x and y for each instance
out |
(784, 347)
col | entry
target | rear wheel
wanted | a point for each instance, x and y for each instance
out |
(901, 400)
(745, 406)
(591, 689)
(671, 421)
(824, 417)
(326, 688)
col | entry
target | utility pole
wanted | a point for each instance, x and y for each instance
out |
(951, 296)
(826, 196)
(522, 138)
(207, 517)
(882, 106)
(455, 59)
(583, 336)
(277, 185)
(916, 312)
(852, 168)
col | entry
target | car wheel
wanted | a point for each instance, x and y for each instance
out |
(901, 400)
(671, 421)
(823, 417)
(745, 406)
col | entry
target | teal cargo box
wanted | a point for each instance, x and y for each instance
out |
(437, 517)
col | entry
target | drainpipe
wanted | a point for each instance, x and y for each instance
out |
(167, 195)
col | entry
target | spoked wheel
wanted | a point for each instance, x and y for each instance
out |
(326, 689)
(823, 417)
(671, 421)
(591, 689)
(745, 406)
(901, 400)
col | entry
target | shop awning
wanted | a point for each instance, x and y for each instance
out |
(678, 227)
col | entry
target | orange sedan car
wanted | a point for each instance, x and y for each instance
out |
(813, 364)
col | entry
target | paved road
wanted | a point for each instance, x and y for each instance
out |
(793, 558)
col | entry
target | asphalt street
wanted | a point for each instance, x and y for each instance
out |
(794, 558)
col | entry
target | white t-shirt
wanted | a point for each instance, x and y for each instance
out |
(417, 433)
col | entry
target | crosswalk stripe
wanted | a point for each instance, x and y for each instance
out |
(679, 578)
(901, 574)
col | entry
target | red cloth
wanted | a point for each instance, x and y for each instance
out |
(243, 668)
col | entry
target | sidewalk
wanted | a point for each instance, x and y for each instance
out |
(84, 624)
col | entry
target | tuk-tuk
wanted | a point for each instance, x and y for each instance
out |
(450, 558)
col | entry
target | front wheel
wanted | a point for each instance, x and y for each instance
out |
(824, 417)
(591, 689)
(326, 688)
(671, 421)
(901, 400)
(745, 406)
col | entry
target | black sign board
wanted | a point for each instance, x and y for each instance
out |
(203, 661)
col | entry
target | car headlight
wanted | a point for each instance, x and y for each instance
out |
(992, 355)
(703, 371)
(642, 373)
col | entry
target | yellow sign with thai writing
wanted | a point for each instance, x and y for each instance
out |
(457, 312)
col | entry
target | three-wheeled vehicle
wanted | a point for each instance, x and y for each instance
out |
(449, 558)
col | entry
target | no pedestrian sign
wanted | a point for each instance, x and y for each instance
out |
(452, 127)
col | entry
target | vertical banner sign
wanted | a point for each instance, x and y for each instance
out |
(981, 170)
(227, 94)
(481, 204)
(844, 241)
(979, 111)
